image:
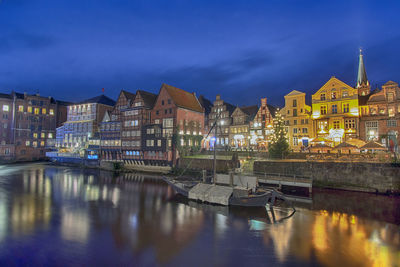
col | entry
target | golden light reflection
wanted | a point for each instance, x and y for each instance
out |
(356, 241)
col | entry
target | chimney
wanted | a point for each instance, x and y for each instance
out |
(218, 97)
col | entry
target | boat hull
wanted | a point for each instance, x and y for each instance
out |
(252, 201)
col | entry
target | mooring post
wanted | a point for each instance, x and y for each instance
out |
(204, 176)
(231, 173)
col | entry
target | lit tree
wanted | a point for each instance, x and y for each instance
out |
(278, 146)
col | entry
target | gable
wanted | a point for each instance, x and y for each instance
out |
(237, 112)
(182, 98)
(334, 84)
(295, 93)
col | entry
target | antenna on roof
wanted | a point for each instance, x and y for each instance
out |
(102, 90)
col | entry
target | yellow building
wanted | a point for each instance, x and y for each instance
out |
(335, 112)
(298, 123)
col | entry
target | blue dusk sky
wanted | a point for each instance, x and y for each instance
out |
(243, 50)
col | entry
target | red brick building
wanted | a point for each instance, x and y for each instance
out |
(380, 116)
(179, 118)
(28, 125)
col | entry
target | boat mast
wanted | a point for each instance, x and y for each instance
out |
(215, 146)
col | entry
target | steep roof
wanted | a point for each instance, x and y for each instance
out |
(206, 104)
(250, 110)
(345, 145)
(362, 74)
(183, 99)
(101, 99)
(373, 145)
(128, 95)
(148, 98)
(390, 83)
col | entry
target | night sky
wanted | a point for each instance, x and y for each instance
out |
(243, 50)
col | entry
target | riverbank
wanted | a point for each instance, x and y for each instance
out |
(352, 176)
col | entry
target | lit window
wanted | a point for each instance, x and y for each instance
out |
(43, 111)
(21, 108)
(333, 95)
(29, 109)
(35, 135)
(334, 109)
(391, 112)
(27, 143)
(336, 124)
(6, 108)
(51, 112)
(34, 144)
(42, 143)
(345, 94)
(346, 108)
(37, 111)
(323, 110)
(42, 135)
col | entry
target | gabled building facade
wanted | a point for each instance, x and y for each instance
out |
(262, 125)
(380, 117)
(298, 122)
(180, 117)
(239, 130)
(135, 118)
(113, 127)
(335, 111)
(222, 112)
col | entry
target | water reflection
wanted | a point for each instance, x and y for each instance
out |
(134, 219)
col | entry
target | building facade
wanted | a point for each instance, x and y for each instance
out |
(239, 130)
(335, 112)
(298, 121)
(262, 125)
(221, 111)
(28, 125)
(112, 128)
(180, 117)
(380, 117)
(83, 121)
(134, 118)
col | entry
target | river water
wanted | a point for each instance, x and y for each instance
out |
(63, 216)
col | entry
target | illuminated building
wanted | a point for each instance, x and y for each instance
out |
(83, 122)
(179, 116)
(222, 110)
(298, 122)
(135, 118)
(28, 125)
(111, 128)
(336, 107)
(239, 131)
(335, 111)
(262, 125)
(380, 116)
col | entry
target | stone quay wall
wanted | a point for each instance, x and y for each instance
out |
(382, 177)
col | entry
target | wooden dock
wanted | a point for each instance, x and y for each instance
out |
(284, 180)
